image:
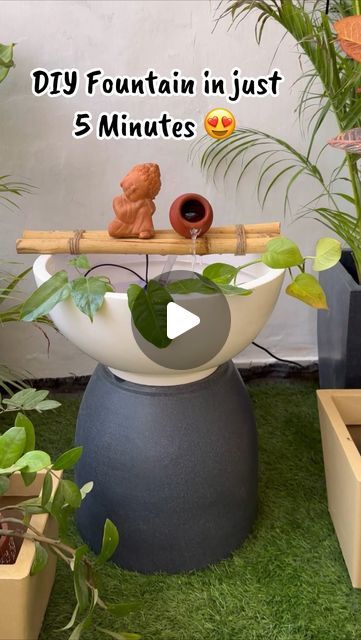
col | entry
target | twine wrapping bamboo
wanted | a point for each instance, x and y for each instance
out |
(74, 242)
(233, 239)
(241, 240)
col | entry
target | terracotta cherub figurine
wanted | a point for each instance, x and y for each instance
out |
(134, 209)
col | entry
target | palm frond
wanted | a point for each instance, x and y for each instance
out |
(11, 379)
(9, 188)
(330, 83)
(247, 146)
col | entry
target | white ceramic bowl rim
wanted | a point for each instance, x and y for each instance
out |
(42, 273)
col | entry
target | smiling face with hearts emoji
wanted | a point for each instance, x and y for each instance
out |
(219, 123)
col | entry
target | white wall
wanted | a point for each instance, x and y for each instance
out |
(77, 179)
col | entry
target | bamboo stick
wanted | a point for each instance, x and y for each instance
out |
(160, 245)
(256, 230)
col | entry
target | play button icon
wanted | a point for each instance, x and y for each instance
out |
(179, 320)
(196, 324)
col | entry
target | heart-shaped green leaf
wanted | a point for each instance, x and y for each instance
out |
(233, 290)
(80, 262)
(306, 288)
(281, 253)
(328, 253)
(149, 312)
(198, 284)
(88, 294)
(44, 299)
(220, 273)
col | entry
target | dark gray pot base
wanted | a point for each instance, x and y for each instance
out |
(338, 329)
(175, 468)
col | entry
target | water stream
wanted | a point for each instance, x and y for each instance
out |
(167, 268)
(194, 235)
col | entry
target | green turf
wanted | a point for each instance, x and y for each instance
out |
(287, 582)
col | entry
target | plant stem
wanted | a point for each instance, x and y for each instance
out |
(356, 7)
(248, 264)
(356, 185)
(37, 537)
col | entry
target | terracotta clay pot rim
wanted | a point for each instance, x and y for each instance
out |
(193, 196)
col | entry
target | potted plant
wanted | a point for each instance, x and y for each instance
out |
(36, 502)
(340, 420)
(331, 84)
(9, 284)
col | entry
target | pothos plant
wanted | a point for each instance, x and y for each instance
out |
(148, 303)
(18, 454)
(330, 84)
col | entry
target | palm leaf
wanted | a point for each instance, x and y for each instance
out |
(331, 83)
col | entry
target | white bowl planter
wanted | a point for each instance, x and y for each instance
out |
(109, 338)
(24, 598)
(340, 420)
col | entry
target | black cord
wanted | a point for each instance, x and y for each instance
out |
(296, 364)
(109, 264)
(327, 6)
(146, 267)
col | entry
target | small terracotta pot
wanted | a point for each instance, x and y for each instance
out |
(7, 547)
(190, 211)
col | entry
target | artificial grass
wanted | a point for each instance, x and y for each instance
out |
(287, 582)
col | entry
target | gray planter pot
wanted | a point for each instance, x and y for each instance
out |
(175, 468)
(339, 329)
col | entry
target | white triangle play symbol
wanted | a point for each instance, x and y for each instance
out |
(179, 320)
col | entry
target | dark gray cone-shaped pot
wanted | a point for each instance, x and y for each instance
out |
(175, 469)
(339, 328)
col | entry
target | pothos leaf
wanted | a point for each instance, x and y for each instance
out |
(88, 294)
(220, 273)
(306, 288)
(80, 262)
(149, 312)
(328, 253)
(46, 297)
(198, 284)
(281, 253)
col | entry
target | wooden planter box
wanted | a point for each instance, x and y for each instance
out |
(340, 420)
(24, 598)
